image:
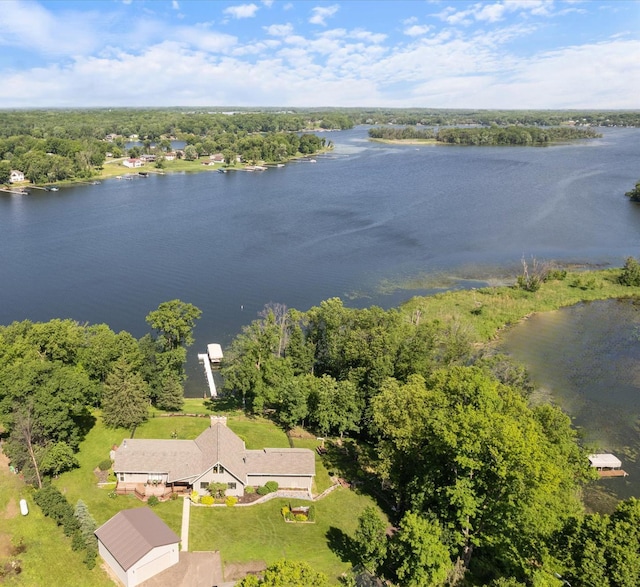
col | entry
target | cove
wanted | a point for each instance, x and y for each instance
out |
(586, 358)
(364, 215)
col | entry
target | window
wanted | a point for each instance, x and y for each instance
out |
(231, 485)
(121, 476)
(217, 468)
(203, 485)
(154, 478)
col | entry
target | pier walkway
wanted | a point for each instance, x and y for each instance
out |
(207, 369)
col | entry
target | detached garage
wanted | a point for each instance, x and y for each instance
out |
(137, 545)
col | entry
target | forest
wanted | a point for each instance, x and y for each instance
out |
(482, 486)
(65, 145)
(50, 146)
(491, 135)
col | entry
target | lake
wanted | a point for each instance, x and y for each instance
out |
(586, 358)
(358, 224)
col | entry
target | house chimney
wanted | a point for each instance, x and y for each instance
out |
(218, 420)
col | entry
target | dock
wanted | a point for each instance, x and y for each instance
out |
(607, 465)
(204, 358)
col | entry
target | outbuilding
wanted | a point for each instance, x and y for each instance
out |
(137, 545)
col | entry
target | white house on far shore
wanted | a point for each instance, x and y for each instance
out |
(16, 176)
(133, 162)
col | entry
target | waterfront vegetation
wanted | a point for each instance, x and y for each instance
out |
(51, 146)
(484, 136)
(396, 393)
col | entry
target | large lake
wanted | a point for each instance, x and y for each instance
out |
(365, 216)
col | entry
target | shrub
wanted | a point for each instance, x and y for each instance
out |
(112, 494)
(272, 486)
(630, 272)
(556, 275)
(285, 511)
(173, 496)
(249, 489)
(301, 518)
(153, 501)
(195, 496)
(104, 465)
(207, 500)
(262, 490)
(231, 500)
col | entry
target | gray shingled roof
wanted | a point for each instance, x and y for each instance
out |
(131, 534)
(189, 459)
(181, 459)
(220, 444)
(281, 461)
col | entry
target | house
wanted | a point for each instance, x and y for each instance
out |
(161, 467)
(16, 176)
(131, 162)
(217, 158)
(170, 156)
(137, 545)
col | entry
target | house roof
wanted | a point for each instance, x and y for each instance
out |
(278, 461)
(180, 459)
(131, 534)
(608, 461)
(219, 444)
(186, 460)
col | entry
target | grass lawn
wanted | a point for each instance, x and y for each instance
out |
(258, 532)
(48, 559)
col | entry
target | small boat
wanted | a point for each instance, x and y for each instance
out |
(222, 170)
(95, 183)
(143, 173)
(53, 188)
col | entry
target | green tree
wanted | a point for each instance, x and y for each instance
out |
(634, 194)
(420, 557)
(175, 321)
(469, 450)
(125, 400)
(370, 539)
(630, 272)
(57, 458)
(286, 573)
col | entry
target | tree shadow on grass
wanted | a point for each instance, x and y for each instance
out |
(342, 545)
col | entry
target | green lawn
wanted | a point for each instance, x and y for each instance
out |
(258, 532)
(48, 559)
(240, 533)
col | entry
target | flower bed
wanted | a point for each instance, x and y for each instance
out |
(299, 514)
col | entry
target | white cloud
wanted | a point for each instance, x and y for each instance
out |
(321, 13)
(416, 30)
(241, 10)
(175, 5)
(268, 3)
(279, 30)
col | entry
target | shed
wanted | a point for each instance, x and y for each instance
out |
(137, 545)
(214, 350)
(604, 461)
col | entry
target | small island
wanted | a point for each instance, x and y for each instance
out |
(526, 136)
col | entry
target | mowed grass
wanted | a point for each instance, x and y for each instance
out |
(242, 534)
(48, 559)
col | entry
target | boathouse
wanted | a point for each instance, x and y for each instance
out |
(607, 465)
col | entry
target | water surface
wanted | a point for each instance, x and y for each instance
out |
(364, 215)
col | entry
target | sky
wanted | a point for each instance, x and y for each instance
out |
(496, 54)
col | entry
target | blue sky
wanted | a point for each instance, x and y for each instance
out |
(420, 53)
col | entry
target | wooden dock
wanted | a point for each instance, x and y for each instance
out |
(613, 473)
(204, 358)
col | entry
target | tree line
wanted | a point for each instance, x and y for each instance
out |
(492, 135)
(53, 374)
(481, 485)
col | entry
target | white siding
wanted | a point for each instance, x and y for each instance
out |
(113, 564)
(225, 477)
(152, 563)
